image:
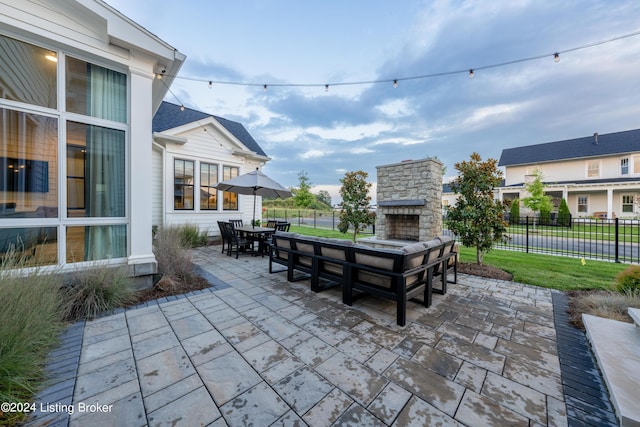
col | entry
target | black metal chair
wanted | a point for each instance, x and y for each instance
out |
(282, 226)
(223, 234)
(235, 222)
(238, 242)
(271, 223)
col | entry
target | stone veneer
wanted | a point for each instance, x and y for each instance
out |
(409, 200)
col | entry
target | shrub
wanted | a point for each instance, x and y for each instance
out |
(545, 215)
(30, 323)
(514, 213)
(564, 215)
(628, 280)
(173, 260)
(91, 291)
(190, 236)
(610, 305)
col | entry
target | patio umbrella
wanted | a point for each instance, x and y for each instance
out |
(256, 183)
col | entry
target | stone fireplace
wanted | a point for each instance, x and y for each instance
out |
(409, 201)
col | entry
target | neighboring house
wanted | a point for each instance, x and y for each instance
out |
(78, 91)
(192, 152)
(597, 175)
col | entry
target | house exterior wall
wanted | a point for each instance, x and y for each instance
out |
(92, 32)
(212, 146)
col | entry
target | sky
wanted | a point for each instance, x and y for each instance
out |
(354, 127)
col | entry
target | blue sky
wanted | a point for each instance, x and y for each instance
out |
(357, 127)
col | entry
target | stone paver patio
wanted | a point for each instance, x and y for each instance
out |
(263, 352)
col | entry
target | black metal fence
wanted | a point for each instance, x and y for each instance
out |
(308, 218)
(615, 240)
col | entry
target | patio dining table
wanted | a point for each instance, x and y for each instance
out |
(258, 234)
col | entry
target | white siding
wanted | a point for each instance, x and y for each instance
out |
(156, 186)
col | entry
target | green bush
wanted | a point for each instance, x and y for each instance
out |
(91, 291)
(564, 215)
(545, 215)
(30, 322)
(514, 213)
(628, 281)
(191, 237)
(170, 251)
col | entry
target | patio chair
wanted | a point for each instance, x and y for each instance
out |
(271, 223)
(237, 242)
(235, 222)
(223, 234)
(283, 226)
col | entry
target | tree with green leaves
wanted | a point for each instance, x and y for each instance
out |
(537, 201)
(477, 217)
(354, 209)
(302, 195)
(323, 196)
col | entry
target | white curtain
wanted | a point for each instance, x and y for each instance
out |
(105, 164)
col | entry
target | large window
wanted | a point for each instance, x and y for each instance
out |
(91, 113)
(593, 169)
(627, 203)
(183, 184)
(229, 199)
(208, 193)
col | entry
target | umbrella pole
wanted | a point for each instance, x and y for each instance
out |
(253, 223)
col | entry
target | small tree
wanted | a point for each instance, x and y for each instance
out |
(477, 217)
(323, 196)
(564, 215)
(354, 209)
(302, 195)
(537, 200)
(514, 213)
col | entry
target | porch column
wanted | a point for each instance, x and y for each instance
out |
(610, 203)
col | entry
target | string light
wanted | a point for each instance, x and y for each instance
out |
(210, 84)
(395, 83)
(556, 57)
(264, 87)
(182, 108)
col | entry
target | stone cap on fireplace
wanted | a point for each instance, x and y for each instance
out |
(393, 203)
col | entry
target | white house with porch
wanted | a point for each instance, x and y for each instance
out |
(79, 84)
(598, 175)
(192, 152)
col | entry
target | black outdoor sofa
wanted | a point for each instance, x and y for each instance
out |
(396, 274)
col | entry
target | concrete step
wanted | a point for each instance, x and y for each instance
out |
(635, 315)
(616, 346)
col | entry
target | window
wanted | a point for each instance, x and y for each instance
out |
(28, 73)
(183, 185)
(593, 169)
(97, 170)
(91, 111)
(583, 204)
(624, 166)
(96, 91)
(208, 193)
(229, 200)
(636, 164)
(627, 203)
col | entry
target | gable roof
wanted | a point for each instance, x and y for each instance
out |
(607, 144)
(170, 116)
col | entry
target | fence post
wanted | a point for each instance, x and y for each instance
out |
(333, 220)
(314, 218)
(299, 220)
(527, 234)
(617, 241)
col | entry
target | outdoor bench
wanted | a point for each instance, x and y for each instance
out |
(397, 274)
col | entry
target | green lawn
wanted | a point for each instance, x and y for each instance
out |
(554, 272)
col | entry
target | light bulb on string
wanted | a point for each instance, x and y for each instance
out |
(395, 84)
(471, 73)
(556, 57)
(264, 87)
(210, 84)
(326, 88)
(182, 108)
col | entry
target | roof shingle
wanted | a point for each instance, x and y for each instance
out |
(607, 144)
(170, 116)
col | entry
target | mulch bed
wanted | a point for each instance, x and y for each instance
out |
(483, 271)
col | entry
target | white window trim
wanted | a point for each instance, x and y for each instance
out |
(586, 196)
(586, 167)
(633, 203)
(629, 168)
